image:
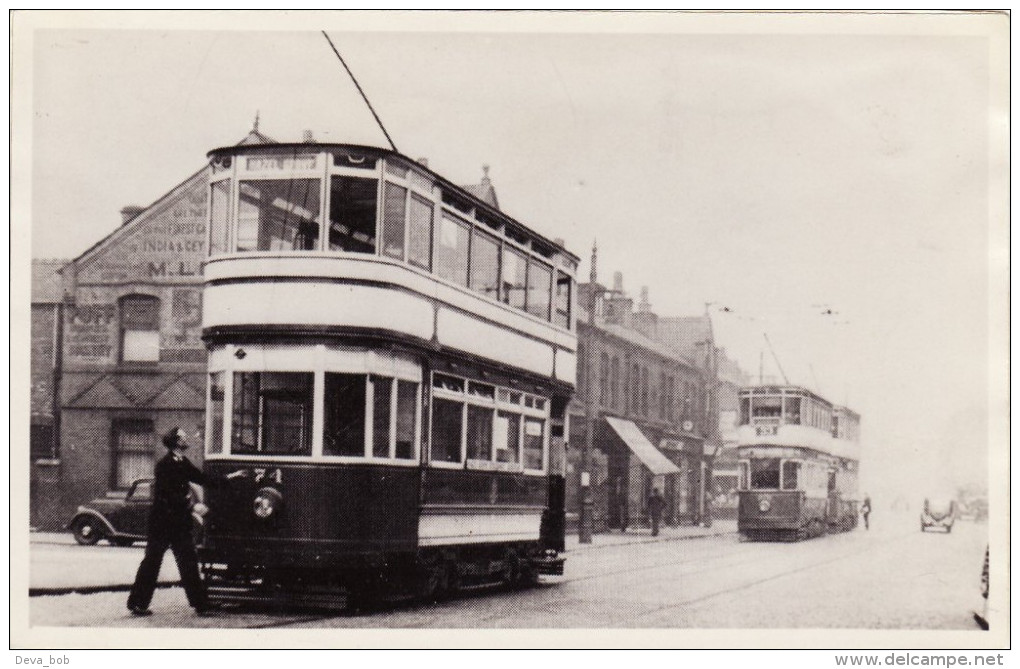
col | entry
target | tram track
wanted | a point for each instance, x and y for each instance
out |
(725, 558)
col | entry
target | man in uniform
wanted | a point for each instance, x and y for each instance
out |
(170, 526)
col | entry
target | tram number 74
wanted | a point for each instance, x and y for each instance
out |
(259, 475)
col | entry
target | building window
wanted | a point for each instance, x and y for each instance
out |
(670, 398)
(139, 328)
(272, 413)
(663, 395)
(394, 206)
(451, 250)
(644, 391)
(278, 215)
(41, 443)
(419, 238)
(352, 214)
(614, 381)
(603, 379)
(134, 444)
(485, 264)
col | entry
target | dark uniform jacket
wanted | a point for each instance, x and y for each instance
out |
(656, 504)
(171, 500)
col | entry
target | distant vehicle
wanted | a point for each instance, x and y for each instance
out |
(121, 520)
(981, 615)
(798, 457)
(940, 513)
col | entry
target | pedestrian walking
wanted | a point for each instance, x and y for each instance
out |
(170, 526)
(866, 511)
(656, 503)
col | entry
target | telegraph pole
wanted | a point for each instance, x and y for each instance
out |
(584, 520)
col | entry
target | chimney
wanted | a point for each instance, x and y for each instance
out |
(558, 242)
(618, 305)
(307, 137)
(424, 162)
(129, 212)
(644, 320)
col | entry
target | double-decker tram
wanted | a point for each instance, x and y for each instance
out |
(391, 357)
(798, 457)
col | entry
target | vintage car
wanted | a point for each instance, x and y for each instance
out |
(122, 519)
(937, 512)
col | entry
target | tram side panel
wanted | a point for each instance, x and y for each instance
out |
(310, 516)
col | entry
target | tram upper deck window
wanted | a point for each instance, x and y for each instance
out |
(272, 413)
(278, 215)
(485, 264)
(394, 207)
(514, 278)
(219, 217)
(769, 406)
(419, 233)
(791, 410)
(765, 473)
(539, 289)
(352, 214)
(561, 300)
(451, 250)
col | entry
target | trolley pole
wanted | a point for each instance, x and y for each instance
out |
(584, 519)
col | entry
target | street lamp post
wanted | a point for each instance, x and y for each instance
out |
(584, 520)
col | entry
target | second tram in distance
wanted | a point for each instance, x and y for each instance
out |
(798, 458)
(391, 357)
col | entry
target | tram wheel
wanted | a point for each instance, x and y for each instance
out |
(431, 582)
(512, 577)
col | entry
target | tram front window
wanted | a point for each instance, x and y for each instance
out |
(765, 473)
(352, 210)
(344, 415)
(791, 472)
(272, 413)
(278, 215)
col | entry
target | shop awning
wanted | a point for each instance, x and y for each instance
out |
(650, 456)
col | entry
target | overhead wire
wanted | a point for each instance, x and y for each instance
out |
(358, 86)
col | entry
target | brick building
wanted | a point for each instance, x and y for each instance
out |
(653, 415)
(46, 332)
(129, 359)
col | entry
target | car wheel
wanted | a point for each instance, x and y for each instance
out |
(87, 531)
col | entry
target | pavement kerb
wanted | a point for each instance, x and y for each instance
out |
(91, 589)
(648, 540)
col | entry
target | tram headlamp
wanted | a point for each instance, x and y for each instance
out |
(267, 503)
(764, 504)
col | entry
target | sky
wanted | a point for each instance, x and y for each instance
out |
(776, 167)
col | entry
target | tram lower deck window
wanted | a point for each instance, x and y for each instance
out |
(272, 413)
(447, 420)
